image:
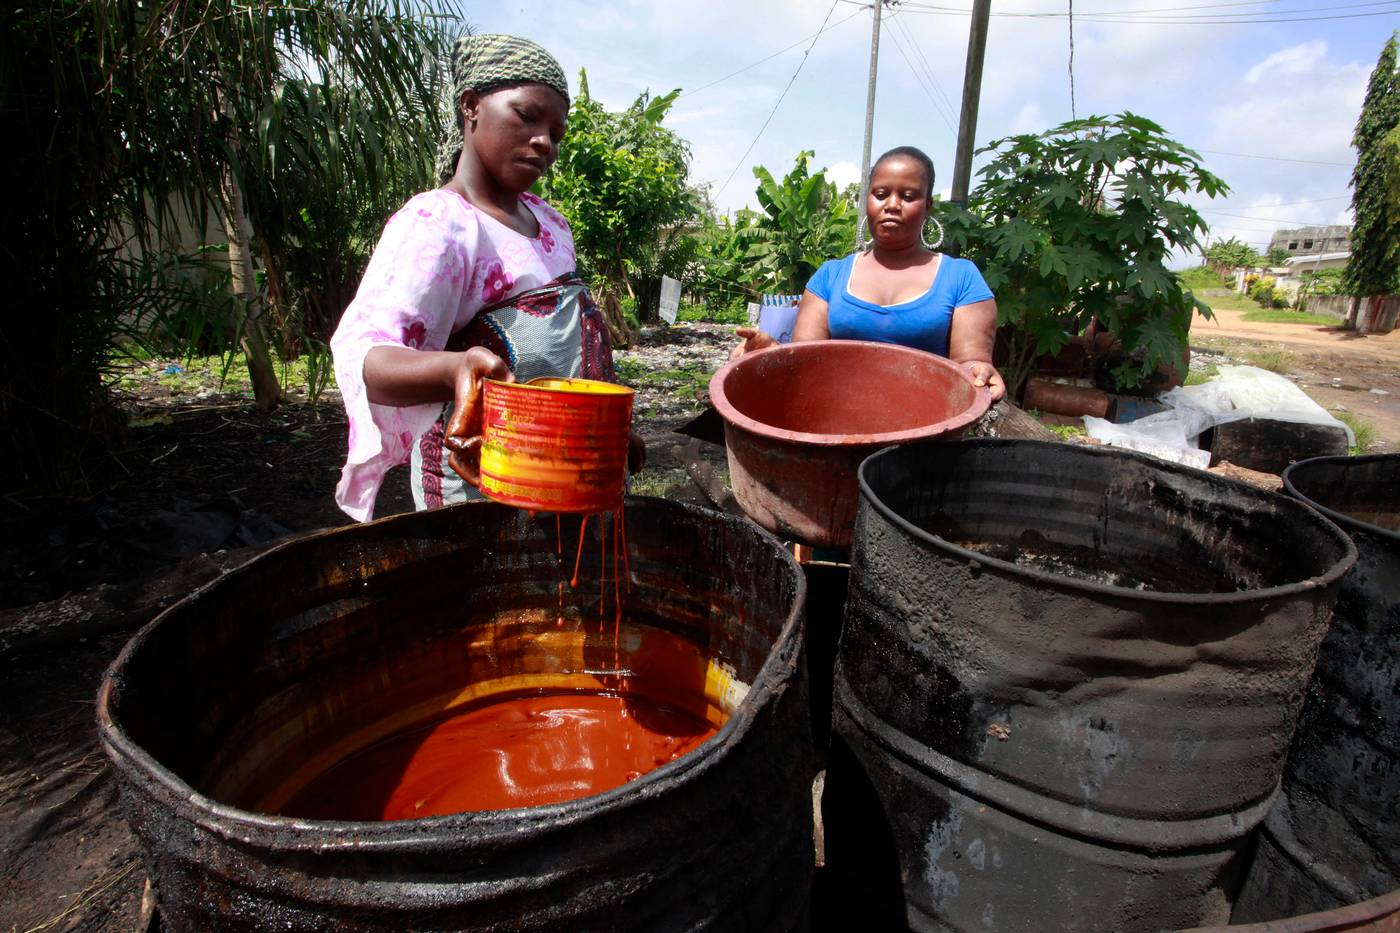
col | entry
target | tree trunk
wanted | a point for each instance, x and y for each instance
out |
(239, 229)
(266, 390)
(618, 331)
(277, 305)
(1352, 312)
(1016, 371)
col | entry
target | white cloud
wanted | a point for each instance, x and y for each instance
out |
(843, 173)
(1300, 59)
(1028, 119)
(1297, 103)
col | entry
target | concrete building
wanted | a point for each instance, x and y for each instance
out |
(1314, 262)
(1308, 241)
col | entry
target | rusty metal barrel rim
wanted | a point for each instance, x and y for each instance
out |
(732, 415)
(1334, 572)
(1295, 481)
(1068, 818)
(491, 826)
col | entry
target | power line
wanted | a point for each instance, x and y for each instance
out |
(919, 78)
(1173, 9)
(927, 69)
(772, 112)
(1199, 20)
(1160, 13)
(1245, 155)
(1309, 201)
(769, 58)
(1166, 14)
(1272, 220)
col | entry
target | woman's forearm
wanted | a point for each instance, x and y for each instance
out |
(972, 335)
(403, 376)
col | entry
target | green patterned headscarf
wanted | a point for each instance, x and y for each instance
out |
(480, 63)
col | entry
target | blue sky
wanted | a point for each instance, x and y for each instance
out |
(1254, 83)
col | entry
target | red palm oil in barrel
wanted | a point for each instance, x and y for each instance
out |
(417, 723)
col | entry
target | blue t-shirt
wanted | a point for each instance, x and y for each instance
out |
(922, 323)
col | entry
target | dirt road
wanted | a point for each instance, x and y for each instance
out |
(1340, 369)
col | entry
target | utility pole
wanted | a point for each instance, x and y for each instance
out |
(869, 118)
(972, 93)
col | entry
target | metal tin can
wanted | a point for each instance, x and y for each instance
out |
(555, 444)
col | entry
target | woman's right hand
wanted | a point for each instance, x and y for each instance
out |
(754, 339)
(463, 434)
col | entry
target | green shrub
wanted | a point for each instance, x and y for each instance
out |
(734, 312)
(1323, 282)
(1068, 432)
(629, 313)
(1262, 289)
(1201, 278)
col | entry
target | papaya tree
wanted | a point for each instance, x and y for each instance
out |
(1076, 225)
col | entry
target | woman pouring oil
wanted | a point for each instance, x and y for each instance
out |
(474, 279)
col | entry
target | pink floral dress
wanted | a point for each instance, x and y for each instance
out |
(447, 276)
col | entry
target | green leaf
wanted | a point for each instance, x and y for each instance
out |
(1051, 261)
(1150, 280)
(1060, 192)
(1015, 239)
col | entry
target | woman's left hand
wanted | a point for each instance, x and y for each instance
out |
(986, 375)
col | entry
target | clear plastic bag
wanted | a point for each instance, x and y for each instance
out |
(1237, 392)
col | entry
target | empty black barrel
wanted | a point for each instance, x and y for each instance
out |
(294, 651)
(1333, 838)
(1066, 684)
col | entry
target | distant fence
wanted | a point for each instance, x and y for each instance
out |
(1375, 315)
(1331, 305)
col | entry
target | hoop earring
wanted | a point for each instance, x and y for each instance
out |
(923, 235)
(861, 235)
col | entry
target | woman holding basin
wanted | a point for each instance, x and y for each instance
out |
(900, 290)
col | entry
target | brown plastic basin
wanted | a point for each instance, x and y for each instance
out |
(799, 419)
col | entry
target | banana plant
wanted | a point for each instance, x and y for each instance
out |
(804, 223)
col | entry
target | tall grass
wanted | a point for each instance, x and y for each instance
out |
(1276, 316)
(1364, 430)
(1275, 361)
